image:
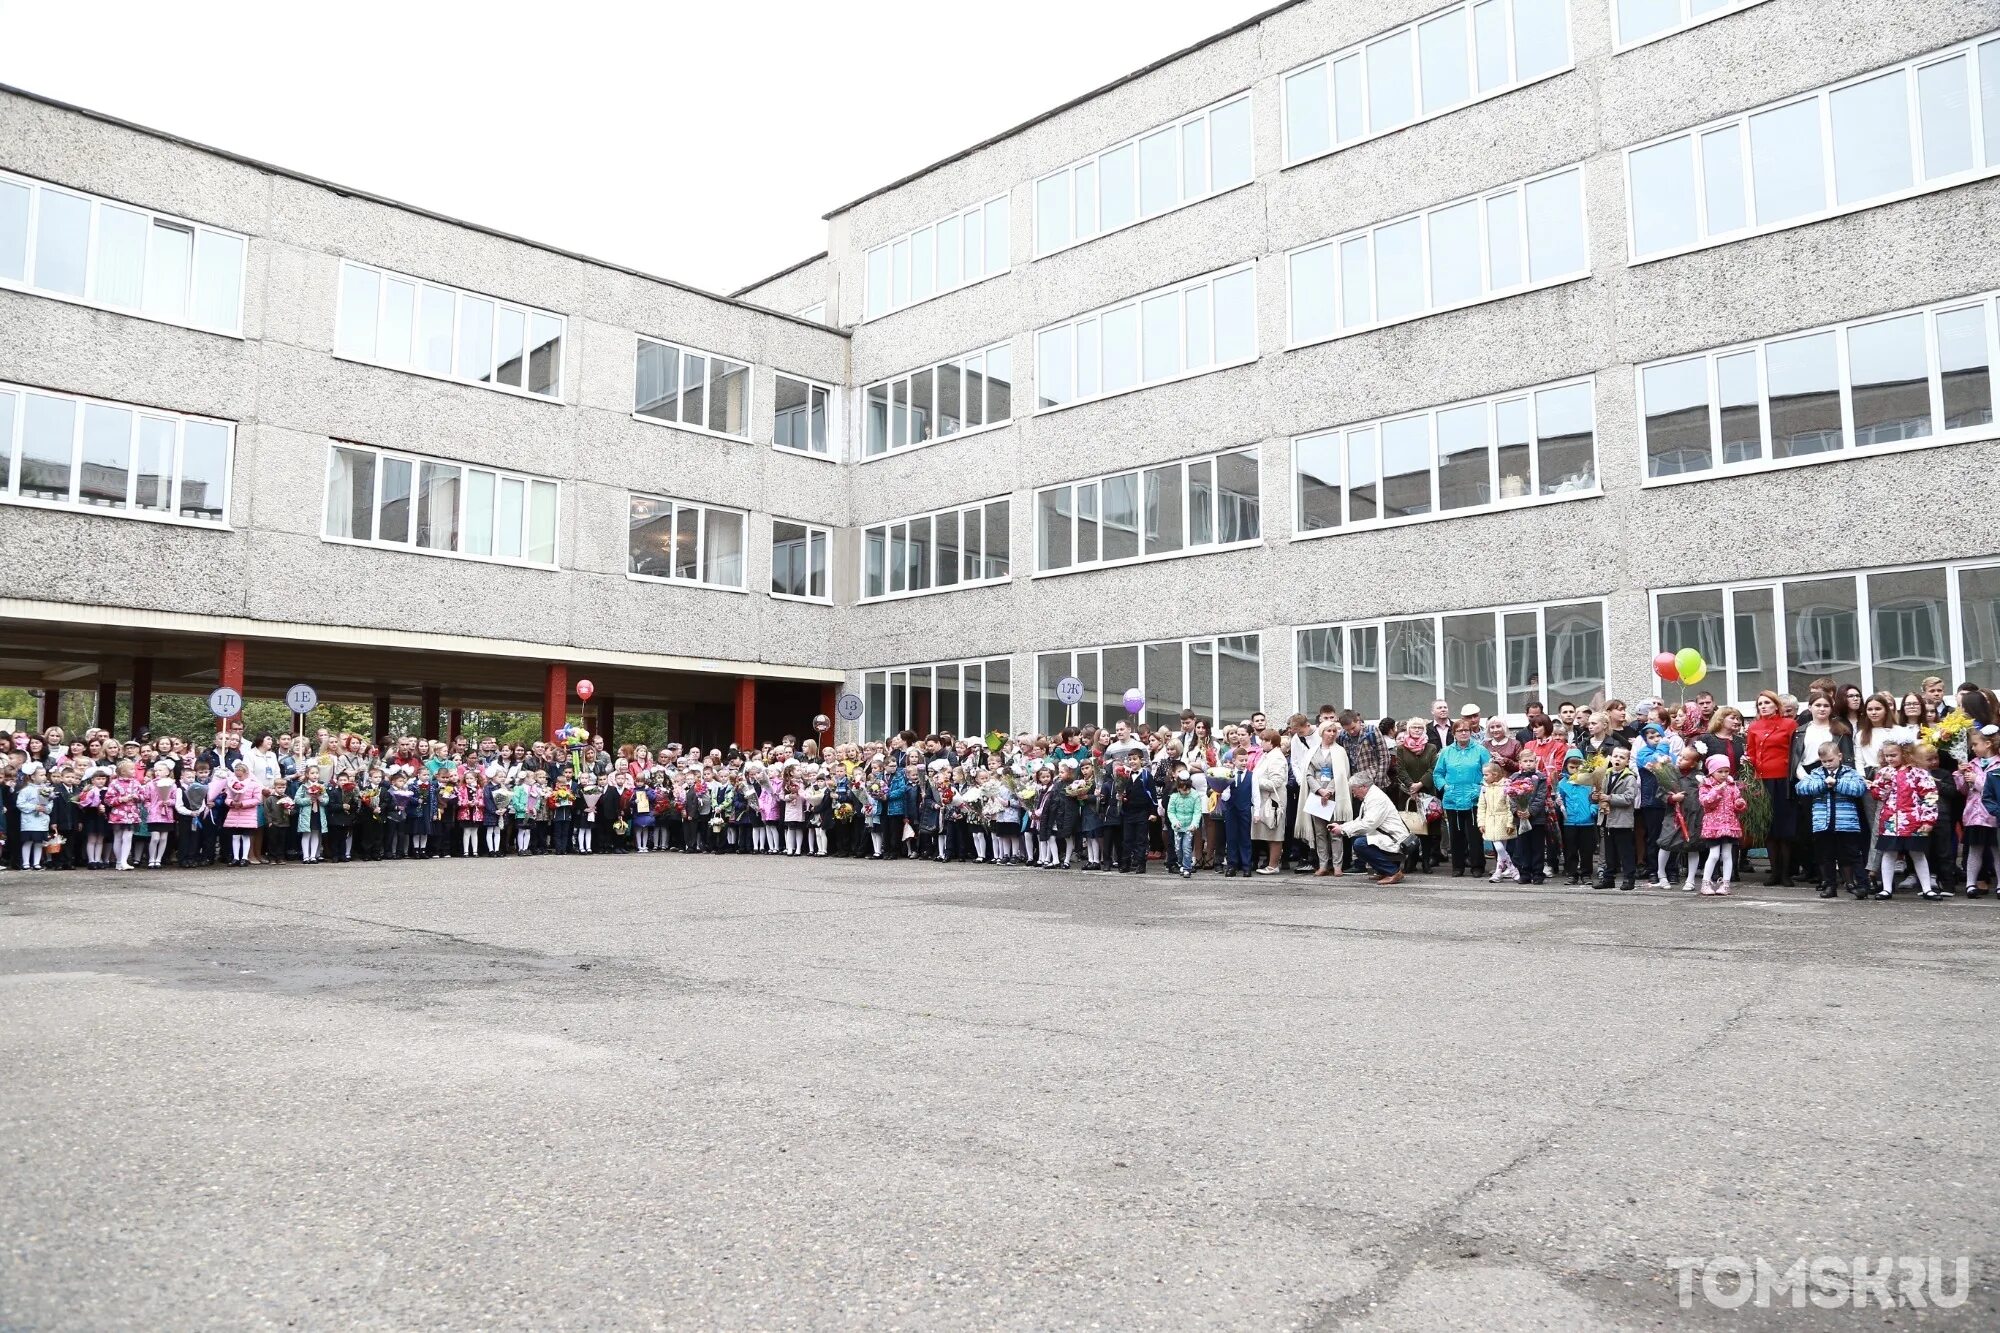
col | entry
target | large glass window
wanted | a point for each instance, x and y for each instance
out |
(405, 323)
(1870, 384)
(942, 256)
(694, 390)
(1203, 324)
(936, 552)
(1489, 453)
(936, 402)
(1199, 504)
(379, 498)
(1201, 154)
(799, 557)
(681, 542)
(804, 417)
(962, 698)
(1498, 658)
(60, 449)
(1881, 629)
(1887, 134)
(1382, 275)
(1219, 677)
(1647, 20)
(1449, 59)
(64, 243)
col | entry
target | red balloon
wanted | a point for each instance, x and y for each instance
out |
(1665, 667)
(584, 689)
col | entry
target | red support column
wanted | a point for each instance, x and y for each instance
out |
(142, 694)
(829, 695)
(430, 712)
(607, 716)
(107, 705)
(51, 709)
(555, 699)
(746, 713)
(382, 719)
(231, 667)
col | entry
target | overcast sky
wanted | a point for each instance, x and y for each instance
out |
(698, 141)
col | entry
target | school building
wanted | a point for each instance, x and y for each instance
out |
(1363, 353)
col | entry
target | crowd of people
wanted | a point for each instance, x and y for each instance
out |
(1868, 795)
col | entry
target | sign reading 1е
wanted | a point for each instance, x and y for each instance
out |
(224, 702)
(302, 698)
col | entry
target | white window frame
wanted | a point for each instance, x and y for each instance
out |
(1823, 96)
(1518, 188)
(1940, 438)
(1137, 305)
(887, 528)
(410, 546)
(700, 540)
(1327, 61)
(1492, 403)
(1185, 550)
(958, 216)
(1780, 671)
(1440, 686)
(1688, 20)
(815, 312)
(1209, 708)
(11, 446)
(36, 189)
(833, 452)
(459, 295)
(812, 531)
(682, 351)
(894, 677)
(1182, 197)
(892, 449)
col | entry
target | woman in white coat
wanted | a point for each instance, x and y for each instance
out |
(1267, 815)
(1324, 801)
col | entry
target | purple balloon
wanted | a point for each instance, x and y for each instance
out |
(1135, 700)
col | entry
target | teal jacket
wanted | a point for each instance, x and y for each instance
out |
(1459, 773)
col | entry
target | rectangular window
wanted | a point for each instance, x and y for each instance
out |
(1422, 70)
(916, 266)
(1498, 658)
(85, 453)
(936, 402)
(695, 390)
(405, 323)
(1872, 384)
(378, 498)
(1882, 629)
(1149, 339)
(1382, 275)
(1165, 511)
(956, 697)
(1529, 446)
(1648, 20)
(679, 542)
(1885, 135)
(936, 552)
(139, 262)
(1195, 157)
(1219, 677)
(804, 417)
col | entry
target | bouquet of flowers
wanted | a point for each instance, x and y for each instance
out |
(316, 791)
(843, 813)
(1949, 737)
(1078, 789)
(620, 827)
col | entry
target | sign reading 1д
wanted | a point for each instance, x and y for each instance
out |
(224, 702)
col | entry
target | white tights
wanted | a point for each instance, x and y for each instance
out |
(583, 837)
(795, 839)
(156, 848)
(239, 847)
(468, 839)
(1093, 849)
(875, 834)
(493, 840)
(1724, 851)
(1920, 862)
(1978, 861)
(979, 844)
(93, 849)
(121, 845)
(31, 856)
(309, 848)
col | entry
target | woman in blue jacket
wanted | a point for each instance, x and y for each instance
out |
(1458, 774)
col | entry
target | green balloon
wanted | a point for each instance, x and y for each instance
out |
(1691, 667)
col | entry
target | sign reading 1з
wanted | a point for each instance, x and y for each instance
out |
(224, 702)
(849, 706)
(302, 698)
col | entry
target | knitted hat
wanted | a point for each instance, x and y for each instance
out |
(1718, 763)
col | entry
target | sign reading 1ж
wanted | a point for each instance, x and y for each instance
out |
(1069, 691)
(224, 702)
(302, 698)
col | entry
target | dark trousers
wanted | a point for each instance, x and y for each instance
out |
(892, 836)
(1378, 861)
(1466, 850)
(1842, 853)
(1297, 851)
(1579, 849)
(1237, 839)
(1621, 855)
(1132, 844)
(1526, 849)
